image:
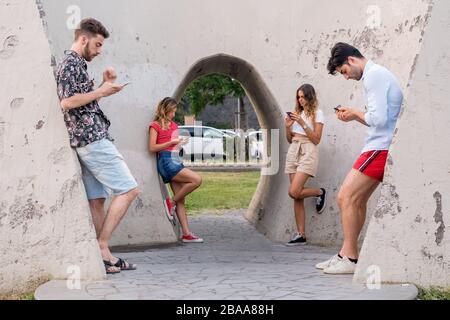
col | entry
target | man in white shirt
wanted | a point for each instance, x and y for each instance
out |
(384, 99)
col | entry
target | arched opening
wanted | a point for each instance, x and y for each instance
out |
(267, 200)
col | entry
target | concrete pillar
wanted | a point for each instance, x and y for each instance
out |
(408, 240)
(45, 222)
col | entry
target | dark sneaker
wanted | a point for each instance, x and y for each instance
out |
(320, 203)
(297, 240)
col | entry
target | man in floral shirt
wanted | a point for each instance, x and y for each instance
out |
(104, 171)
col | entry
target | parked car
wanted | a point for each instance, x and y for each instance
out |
(204, 141)
(231, 133)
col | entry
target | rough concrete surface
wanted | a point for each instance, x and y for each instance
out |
(409, 238)
(45, 224)
(271, 48)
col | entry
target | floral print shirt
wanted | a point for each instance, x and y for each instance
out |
(88, 123)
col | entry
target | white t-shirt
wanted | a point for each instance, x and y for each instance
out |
(297, 128)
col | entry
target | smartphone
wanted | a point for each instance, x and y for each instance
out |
(289, 114)
(120, 85)
(338, 108)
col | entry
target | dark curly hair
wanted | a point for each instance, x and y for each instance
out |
(339, 56)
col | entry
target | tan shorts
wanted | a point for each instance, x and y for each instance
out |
(303, 156)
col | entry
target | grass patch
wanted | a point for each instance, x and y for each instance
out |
(24, 296)
(223, 191)
(27, 296)
(433, 293)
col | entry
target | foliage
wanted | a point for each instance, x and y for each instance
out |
(434, 293)
(211, 90)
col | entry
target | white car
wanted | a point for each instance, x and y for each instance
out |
(206, 142)
(231, 133)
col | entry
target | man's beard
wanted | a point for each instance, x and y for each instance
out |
(359, 77)
(359, 73)
(87, 53)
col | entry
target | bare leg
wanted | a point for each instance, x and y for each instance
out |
(181, 208)
(363, 208)
(298, 190)
(189, 182)
(117, 209)
(299, 210)
(98, 214)
(352, 200)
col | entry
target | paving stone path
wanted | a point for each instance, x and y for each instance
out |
(236, 262)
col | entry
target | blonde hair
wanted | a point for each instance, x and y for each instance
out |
(312, 103)
(162, 110)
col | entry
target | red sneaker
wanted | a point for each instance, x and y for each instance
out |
(171, 209)
(191, 238)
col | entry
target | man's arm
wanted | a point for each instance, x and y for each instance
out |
(377, 105)
(82, 99)
(348, 114)
(377, 108)
(109, 75)
(79, 100)
(360, 117)
(70, 94)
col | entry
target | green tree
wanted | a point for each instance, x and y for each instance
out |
(211, 89)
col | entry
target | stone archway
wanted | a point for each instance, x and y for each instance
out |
(268, 199)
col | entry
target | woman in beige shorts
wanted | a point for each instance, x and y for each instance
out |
(304, 129)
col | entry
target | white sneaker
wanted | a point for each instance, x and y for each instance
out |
(329, 262)
(343, 266)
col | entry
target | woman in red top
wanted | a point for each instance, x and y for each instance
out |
(164, 140)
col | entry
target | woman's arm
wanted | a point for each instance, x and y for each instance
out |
(155, 148)
(314, 134)
(288, 125)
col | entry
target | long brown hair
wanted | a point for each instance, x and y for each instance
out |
(312, 103)
(162, 110)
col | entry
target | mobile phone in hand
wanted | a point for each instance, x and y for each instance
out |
(121, 86)
(289, 114)
(338, 108)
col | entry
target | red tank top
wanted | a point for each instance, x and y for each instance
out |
(166, 135)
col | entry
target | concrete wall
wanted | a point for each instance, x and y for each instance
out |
(409, 236)
(271, 48)
(154, 44)
(45, 224)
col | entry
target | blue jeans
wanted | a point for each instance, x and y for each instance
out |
(104, 171)
(169, 165)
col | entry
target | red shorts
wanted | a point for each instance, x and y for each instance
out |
(372, 164)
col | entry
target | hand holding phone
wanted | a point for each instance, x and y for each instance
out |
(184, 140)
(120, 86)
(338, 108)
